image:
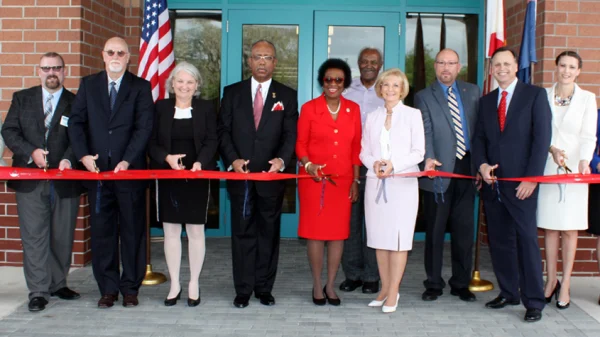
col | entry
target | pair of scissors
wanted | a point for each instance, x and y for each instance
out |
(326, 177)
(46, 165)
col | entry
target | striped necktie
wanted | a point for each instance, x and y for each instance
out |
(48, 114)
(461, 149)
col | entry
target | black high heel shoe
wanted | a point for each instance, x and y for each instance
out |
(319, 301)
(332, 301)
(554, 293)
(194, 302)
(169, 302)
(563, 305)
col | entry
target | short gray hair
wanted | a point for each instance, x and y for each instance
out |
(188, 68)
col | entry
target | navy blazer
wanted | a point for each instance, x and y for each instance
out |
(275, 137)
(522, 148)
(24, 131)
(440, 137)
(204, 124)
(122, 134)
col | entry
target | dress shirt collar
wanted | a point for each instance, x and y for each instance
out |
(117, 82)
(55, 97)
(264, 89)
(445, 88)
(510, 90)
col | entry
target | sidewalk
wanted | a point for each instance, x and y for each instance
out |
(294, 314)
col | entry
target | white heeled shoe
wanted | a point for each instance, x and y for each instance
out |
(376, 303)
(386, 310)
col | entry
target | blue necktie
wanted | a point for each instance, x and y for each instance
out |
(113, 94)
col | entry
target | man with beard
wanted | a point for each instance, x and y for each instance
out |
(110, 126)
(257, 133)
(358, 260)
(35, 130)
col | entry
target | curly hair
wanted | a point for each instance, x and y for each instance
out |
(335, 64)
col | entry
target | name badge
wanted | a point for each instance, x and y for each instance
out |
(64, 121)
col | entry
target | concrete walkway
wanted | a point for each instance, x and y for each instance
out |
(294, 314)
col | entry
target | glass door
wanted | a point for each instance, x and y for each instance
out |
(343, 34)
(290, 32)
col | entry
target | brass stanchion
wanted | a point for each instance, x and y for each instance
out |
(477, 284)
(151, 278)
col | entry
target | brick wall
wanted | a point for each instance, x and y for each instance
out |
(562, 25)
(77, 29)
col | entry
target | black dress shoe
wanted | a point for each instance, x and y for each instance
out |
(193, 303)
(500, 302)
(533, 315)
(431, 294)
(333, 301)
(169, 302)
(107, 301)
(370, 287)
(130, 300)
(37, 304)
(464, 294)
(319, 301)
(265, 298)
(65, 294)
(350, 285)
(241, 301)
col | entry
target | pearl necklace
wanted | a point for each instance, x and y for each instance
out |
(336, 111)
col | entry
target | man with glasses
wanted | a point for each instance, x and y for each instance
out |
(35, 130)
(359, 261)
(110, 127)
(257, 133)
(449, 108)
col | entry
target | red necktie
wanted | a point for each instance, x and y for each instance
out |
(258, 106)
(502, 110)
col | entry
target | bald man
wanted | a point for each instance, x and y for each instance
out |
(109, 128)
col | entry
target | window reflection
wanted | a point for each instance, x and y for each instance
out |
(345, 42)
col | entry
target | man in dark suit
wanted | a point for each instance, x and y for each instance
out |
(35, 130)
(110, 126)
(512, 140)
(257, 133)
(449, 109)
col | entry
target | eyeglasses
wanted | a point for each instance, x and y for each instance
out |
(443, 64)
(337, 80)
(267, 58)
(120, 53)
(55, 68)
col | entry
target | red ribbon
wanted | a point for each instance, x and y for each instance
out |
(17, 173)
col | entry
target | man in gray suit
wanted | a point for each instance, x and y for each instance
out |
(449, 108)
(35, 130)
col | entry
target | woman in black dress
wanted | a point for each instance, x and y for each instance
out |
(184, 137)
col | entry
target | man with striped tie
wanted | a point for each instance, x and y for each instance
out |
(449, 108)
(35, 130)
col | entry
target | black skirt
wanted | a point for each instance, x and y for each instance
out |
(594, 209)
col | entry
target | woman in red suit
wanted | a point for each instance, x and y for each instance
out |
(328, 143)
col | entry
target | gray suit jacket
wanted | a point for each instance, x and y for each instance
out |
(440, 137)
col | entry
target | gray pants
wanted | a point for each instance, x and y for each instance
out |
(47, 228)
(359, 261)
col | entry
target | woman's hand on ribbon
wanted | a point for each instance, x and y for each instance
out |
(196, 167)
(558, 155)
(174, 161)
(385, 169)
(353, 195)
(90, 163)
(584, 167)
(315, 170)
(486, 173)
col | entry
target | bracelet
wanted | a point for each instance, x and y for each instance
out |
(307, 165)
(356, 180)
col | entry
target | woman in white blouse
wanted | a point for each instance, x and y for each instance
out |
(562, 208)
(393, 142)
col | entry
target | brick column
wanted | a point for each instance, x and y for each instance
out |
(77, 29)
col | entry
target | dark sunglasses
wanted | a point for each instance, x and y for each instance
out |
(55, 68)
(111, 52)
(337, 80)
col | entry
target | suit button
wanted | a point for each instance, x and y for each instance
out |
(335, 156)
(335, 143)
(335, 130)
(110, 132)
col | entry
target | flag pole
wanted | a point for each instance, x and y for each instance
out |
(477, 284)
(151, 278)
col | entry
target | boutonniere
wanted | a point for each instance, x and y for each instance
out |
(277, 106)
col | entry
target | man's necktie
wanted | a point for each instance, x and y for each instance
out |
(461, 149)
(113, 94)
(48, 114)
(258, 106)
(502, 111)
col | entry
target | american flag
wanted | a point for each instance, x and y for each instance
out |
(156, 47)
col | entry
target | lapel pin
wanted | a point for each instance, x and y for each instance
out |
(274, 95)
